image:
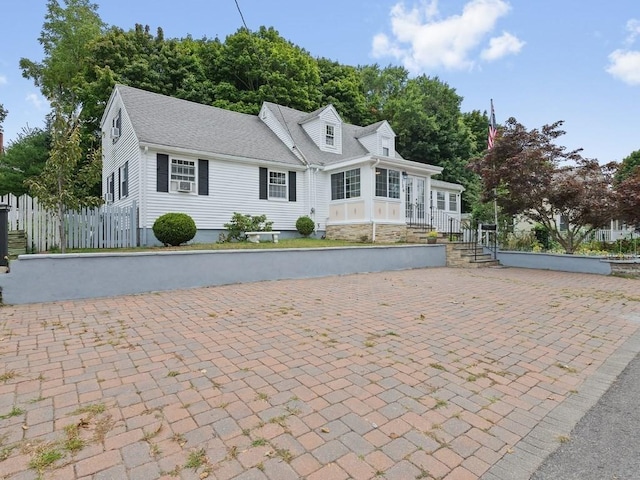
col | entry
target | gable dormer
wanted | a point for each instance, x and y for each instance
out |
(324, 127)
(379, 139)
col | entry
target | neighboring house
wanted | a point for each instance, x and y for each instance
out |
(172, 155)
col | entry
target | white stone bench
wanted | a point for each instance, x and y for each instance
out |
(254, 237)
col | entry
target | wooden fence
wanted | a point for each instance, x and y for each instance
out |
(103, 227)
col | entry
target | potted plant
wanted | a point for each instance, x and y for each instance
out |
(432, 236)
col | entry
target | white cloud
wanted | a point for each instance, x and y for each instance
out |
(3, 80)
(633, 26)
(501, 46)
(421, 40)
(36, 100)
(625, 65)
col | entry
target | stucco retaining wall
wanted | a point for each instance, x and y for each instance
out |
(51, 277)
(559, 262)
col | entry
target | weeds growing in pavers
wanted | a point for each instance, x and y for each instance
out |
(284, 454)
(173, 373)
(92, 409)
(440, 403)
(8, 375)
(198, 459)
(180, 439)
(44, 457)
(438, 366)
(259, 442)
(14, 412)
(73, 442)
(563, 438)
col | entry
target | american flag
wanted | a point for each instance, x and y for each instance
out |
(493, 129)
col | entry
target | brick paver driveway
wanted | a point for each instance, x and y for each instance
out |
(436, 373)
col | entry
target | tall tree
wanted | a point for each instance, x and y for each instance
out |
(628, 166)
(528, 174)
(380, 86)
(65, 182)
(66, 37)
(628, 196)
(25, 158)
(262, 66)
(3, 116)
(342, 86)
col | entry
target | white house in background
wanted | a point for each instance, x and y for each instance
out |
(172, 155)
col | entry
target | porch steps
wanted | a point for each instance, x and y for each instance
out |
(465, 256)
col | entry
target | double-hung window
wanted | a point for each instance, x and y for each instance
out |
(387, 183)
(329, 135)
(453, 202)
(440, 200)
(123, 176)
(345, 184)
(277, 185)
(183, 175)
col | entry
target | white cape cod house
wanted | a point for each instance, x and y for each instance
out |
(172, 155)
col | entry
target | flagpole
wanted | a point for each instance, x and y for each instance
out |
(493, 130)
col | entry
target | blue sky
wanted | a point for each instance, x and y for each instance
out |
(540, 61)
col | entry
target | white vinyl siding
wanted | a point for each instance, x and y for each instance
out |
(317, 130)
(232, 188)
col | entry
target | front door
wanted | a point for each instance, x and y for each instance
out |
(414, 200)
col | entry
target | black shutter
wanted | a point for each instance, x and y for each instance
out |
(292, 186)
(125, 185)
(111, 186)
(162, 172)
(119, 183)
(203, 177)
(263, 183)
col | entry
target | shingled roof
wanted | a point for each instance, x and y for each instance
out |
(175, 123)
(351, 147)
(172, 122)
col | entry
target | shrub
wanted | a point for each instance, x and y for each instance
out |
(240, 224)
(174, 228)
(305, 226)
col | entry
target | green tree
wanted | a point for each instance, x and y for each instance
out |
(25, 158)
(66, 36)
(341, 85)
(64, 182)
(628, 166)
(528, 174)
(380, 86)
(3, 116)
(262, 66)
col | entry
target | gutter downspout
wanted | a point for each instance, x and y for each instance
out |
(373, 189)
(310, 182)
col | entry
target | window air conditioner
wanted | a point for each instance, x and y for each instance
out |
(108, 197)
(184, 186)
(115, 132)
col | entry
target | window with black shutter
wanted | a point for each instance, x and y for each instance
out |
(162, 172)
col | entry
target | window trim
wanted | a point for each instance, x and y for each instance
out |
(174, 183)
(454, 197)
(123, 177)
(440, 197)
(347, 189)
(330, 135)
(388, 175)
(284, 186)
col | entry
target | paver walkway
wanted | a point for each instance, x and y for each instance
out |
(435, 373)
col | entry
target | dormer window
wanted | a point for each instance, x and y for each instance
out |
(329, 136)
(385, 147)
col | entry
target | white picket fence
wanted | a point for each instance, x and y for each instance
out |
(103, 227)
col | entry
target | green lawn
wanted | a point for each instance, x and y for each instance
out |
(283, 243)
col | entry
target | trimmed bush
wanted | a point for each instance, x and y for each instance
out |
(174, 228)
(305, 226)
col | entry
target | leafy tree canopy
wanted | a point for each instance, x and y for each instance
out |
(3, 115)
(628, 166)
(25, 158)
(527, 173)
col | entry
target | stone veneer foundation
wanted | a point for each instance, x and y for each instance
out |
(385, 233)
